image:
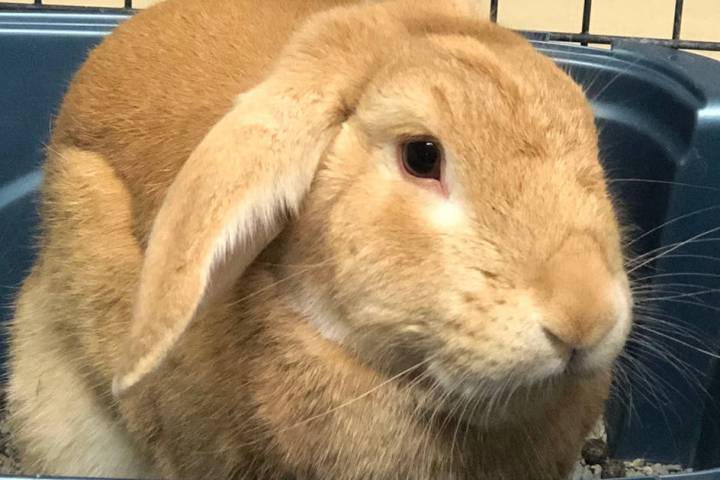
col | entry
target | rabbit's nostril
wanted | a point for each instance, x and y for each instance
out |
(559, 343)
(554, 339)
(570, 353)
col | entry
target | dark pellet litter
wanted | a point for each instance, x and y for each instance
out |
(595, 451)
(613, 469)
(8, 456)
(607, 468)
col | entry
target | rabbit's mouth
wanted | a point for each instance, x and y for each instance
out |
(580, 364)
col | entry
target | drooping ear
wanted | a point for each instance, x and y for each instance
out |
(226, 204)
(248, 175)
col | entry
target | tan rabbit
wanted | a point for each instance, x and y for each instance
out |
(302, 240)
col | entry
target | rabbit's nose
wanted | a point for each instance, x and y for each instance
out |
(577, 293)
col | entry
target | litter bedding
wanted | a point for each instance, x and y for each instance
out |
(594, 465)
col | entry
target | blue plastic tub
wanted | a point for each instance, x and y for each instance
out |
(659, 115)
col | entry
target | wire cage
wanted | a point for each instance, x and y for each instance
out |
(583, 36)
(659, 110)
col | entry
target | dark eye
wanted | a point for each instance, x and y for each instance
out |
(422, 158)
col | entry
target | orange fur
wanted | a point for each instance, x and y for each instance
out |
(227, 236)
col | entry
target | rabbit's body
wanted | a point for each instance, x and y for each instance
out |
(264, 382)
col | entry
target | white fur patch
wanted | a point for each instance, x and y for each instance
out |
(57, 415)
(144, 365)
(447, 215)
(322, 318)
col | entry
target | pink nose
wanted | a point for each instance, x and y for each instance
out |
(575, 287)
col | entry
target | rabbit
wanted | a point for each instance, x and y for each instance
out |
(318, 239)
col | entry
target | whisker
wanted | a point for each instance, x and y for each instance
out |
(698, 257)
(354, 399)
(642, 257)
(677, 274)
(458, 423)
(675, 247)
(674, 220)
(698, 303)
(683, 295)
(621, 385)
(656, 321)
(645, 301)
(649, 381)
(686, 344)
(274, 284)
(619, 74)
(663, 182)
(668, 284)
(662, 353)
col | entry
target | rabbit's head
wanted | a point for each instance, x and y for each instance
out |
(438, 187)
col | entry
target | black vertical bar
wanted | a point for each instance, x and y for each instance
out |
(128, 3)
(677, 21)
(38, 2)
(587, 8)
(493, 10)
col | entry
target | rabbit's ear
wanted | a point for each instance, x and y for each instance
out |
(248, 176)
(230, 199)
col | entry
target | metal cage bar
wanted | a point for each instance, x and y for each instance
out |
(493, 10)
(585, 27)
(677, 20)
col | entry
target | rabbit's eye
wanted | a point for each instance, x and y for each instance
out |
(422, 158)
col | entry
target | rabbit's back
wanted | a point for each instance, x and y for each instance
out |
(151, 91)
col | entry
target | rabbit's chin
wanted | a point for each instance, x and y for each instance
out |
(515, 399)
